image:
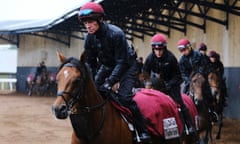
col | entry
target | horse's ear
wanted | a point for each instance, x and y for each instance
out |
(61, 58)
(83, 57)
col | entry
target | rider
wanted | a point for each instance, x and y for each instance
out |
(191, 61)
(202, 48)
(41, 69)
(162, 62)
(194, 61)
(106, 44)
(217, 66)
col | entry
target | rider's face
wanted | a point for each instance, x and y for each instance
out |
(91, 25)
(185, 51)
(212, 59)
(158, 50)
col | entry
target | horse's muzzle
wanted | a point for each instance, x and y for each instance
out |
(60, 111)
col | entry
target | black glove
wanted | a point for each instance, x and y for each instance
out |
(167, 86)
(106, 86)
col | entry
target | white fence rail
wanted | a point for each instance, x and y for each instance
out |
(9, 81)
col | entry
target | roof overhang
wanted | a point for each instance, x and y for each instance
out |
(53, 13)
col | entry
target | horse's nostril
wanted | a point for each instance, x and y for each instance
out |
(62, 107)
(60, 111)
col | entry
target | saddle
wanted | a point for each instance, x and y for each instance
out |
(160, 111)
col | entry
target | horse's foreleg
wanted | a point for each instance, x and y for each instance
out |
(220, 123)
(210, 134)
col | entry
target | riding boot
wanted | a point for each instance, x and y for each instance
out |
(138, 121)
(188, 121)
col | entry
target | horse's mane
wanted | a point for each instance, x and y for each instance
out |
(82, 66)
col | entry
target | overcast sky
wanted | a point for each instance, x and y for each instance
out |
(36, 9)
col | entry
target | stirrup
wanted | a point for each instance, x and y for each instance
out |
(214, 117)
(190, 130)
(142, 137)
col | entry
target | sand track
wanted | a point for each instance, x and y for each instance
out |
(28, 120)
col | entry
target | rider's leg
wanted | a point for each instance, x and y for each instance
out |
(176, 95)
(125, 91)
(186, 88)
(138, 119)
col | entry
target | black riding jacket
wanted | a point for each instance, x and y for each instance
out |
(108, 48)
(194, 62)
(217, 67)
(41, 69)
(167, 66)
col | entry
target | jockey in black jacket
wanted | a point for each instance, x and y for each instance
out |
(161, 68)
(111, 60)
(218, 67)
(216, 64)
(202, 48)
(41, 69)
(191, 61)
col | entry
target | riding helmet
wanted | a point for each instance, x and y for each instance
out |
(90, 10)
(202, 47)
(183, 43)
(159, 39)
(214, 54)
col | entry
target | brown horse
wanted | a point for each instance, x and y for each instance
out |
(197, 87)
(94, 118)
(216, 84)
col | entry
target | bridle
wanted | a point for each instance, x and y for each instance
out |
(81, 112)
(76, 96)
(197, 102)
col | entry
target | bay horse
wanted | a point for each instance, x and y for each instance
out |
(96, 120)
(216, 85)
(197, 88)
(43, 83)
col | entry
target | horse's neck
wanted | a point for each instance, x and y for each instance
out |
(92, 94)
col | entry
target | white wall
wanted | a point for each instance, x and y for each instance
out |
(8, 59)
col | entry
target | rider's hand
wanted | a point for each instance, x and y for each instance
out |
(167, 86)
(106, 86)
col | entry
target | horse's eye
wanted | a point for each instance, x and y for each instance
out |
(76, 81)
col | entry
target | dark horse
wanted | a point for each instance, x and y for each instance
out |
(198, 85)
(45, 83)
(96, 120)
(217, 88)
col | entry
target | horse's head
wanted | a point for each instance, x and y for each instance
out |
(197, 85)
(72, 76)
(214, 82)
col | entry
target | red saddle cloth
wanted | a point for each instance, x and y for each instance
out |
(157, 106)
